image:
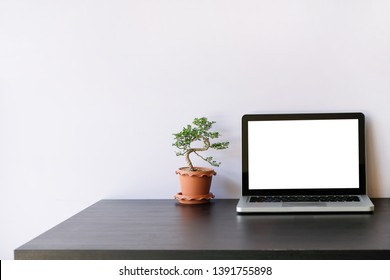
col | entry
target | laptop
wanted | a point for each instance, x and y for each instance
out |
(303, 163)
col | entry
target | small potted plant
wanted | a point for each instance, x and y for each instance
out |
(196, 181)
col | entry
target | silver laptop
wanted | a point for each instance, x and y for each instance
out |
(304, 163)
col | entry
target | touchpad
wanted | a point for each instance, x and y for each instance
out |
(304, 204)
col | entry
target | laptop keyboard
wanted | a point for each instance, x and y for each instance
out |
(311, 198)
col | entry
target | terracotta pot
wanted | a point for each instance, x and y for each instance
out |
(195, 185)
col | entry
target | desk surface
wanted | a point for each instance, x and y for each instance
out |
(164, 229)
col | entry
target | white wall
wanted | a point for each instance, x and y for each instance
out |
(91, 92)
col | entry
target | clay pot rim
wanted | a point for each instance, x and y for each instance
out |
(199, 172)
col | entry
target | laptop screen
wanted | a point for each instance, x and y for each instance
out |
(303, 153)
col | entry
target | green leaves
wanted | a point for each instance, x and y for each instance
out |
(199, 131)
(220, 146)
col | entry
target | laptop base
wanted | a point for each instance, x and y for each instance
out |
(244, 206)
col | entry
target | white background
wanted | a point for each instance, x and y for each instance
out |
(91, 92)
(278, 269)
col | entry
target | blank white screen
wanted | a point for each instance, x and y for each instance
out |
(303, 154)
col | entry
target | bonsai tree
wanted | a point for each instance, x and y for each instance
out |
(200, 131)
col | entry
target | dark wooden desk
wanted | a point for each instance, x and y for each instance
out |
(163, 229)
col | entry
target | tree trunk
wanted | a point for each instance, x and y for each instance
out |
(206, 146)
